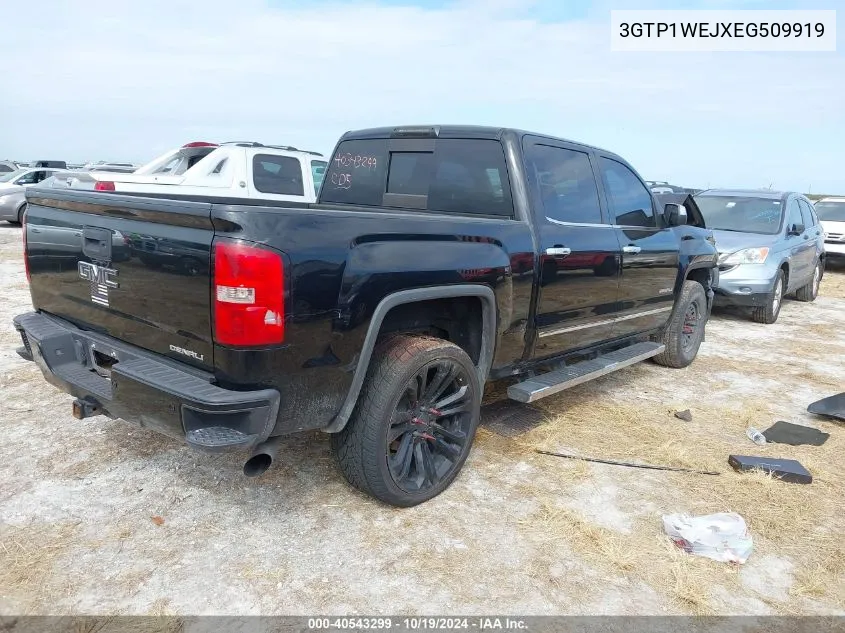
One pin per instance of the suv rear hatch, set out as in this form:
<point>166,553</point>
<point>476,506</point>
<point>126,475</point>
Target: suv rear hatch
<point>136,269</point>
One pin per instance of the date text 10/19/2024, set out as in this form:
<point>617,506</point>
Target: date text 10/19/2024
<point>418,624</point>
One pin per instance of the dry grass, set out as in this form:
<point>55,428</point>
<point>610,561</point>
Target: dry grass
<point>800,523</point>
<point>833,282</point>
<point>30,560</point>
<point>560,524</point>
<point>788,521</point>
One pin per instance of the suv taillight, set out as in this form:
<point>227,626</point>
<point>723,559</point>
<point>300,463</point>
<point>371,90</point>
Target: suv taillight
<point>103,185</point>
<point>25,256</point>
<point>248,295</point>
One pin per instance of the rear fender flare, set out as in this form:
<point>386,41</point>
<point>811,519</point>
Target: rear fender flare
<point>488,337</point>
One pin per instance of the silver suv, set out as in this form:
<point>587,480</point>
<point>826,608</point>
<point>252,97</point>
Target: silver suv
<point>770,245</point>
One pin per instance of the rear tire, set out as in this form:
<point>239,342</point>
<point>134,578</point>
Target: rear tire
<point>769,312</point>
<point>409,436</point>
<point>810,291</point>
<point>685,330</point>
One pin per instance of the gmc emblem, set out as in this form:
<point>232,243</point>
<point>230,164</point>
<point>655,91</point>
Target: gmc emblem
<point>101,279</point>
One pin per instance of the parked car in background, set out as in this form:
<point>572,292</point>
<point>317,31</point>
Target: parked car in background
<point>770,245</point>
<point>12,187</point>
<point>831,212</point>
<point>7,166</point>
<point>661,186</point>
<point>230,170</point>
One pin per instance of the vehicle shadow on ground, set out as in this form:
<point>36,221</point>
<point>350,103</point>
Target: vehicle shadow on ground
<point>731,313</point>
<point>303,468</point>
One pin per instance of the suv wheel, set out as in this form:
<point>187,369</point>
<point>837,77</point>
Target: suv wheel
<point>769,312</point>
<point>685,330</point>
<point>414,422</point>
<point>810,291</point>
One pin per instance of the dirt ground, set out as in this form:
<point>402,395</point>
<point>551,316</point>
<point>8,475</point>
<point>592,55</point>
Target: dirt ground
<point>100,517</point>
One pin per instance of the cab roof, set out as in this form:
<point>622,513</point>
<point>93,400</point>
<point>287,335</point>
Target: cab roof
<point>454,131</point>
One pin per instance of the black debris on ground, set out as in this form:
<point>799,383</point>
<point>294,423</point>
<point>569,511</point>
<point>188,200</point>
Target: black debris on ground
<point>831,407</point>
<point>788,470</point>
<point>794,434</point>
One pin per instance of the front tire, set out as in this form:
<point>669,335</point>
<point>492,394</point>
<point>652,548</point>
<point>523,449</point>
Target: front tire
<point>685,330</point>
<point>414,423</point>
<point>21,211</point>
<point>810,291</point>
<point>769,312</point>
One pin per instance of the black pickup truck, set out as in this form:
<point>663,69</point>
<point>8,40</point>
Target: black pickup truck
<point>436,259</point>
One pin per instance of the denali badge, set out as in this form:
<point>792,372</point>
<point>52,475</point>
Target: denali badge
<point>102,278</point>
<point>186,352</point>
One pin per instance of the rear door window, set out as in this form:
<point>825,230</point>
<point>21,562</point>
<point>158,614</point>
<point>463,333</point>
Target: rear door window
<point>455,176</point>
<point>566,183</point>
<point>806,213</point>
<point>281,175</point>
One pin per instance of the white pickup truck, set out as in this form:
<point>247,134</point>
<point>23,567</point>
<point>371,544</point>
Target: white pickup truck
<point>228,170</point>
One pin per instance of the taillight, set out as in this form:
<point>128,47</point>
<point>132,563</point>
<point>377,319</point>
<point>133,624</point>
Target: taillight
<point>103,185</point>
<point>25,256</point>
<point>199,144</point>
<point>249,300</point>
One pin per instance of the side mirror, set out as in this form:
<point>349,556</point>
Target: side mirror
<point>675,214</point>
<point>796,229</point>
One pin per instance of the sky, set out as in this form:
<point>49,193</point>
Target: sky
<point>127,81</point>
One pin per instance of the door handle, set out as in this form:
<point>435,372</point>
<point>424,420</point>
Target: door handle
<point>559,251</point>
<point>631,249</point>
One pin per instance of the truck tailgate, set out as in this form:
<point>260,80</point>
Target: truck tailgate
<point>131,268</point>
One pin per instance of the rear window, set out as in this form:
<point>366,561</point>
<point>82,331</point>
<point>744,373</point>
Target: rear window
<point>281,175</point>
<point>458,176</point>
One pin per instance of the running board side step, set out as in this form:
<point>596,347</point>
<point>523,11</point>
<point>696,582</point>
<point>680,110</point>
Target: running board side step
<point>556,381</point>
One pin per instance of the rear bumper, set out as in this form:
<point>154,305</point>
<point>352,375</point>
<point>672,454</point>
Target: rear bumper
<point>142,387</point>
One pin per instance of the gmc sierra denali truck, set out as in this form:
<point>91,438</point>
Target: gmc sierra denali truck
<point>435,259</point>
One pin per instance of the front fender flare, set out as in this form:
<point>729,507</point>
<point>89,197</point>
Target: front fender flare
<point>488,336</point>
<point>709,289</point>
